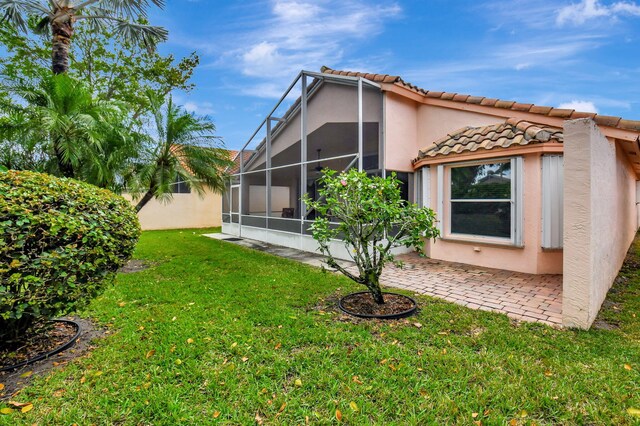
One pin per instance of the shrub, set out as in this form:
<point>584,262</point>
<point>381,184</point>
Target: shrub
<point>62,242</point>
<point>373,219</point>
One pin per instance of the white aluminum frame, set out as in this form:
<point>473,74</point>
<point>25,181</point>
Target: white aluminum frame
<point>300,105</point>
<point>516,201</point>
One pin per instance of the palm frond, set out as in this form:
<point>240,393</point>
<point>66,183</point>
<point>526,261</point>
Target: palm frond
<point>130,8</point>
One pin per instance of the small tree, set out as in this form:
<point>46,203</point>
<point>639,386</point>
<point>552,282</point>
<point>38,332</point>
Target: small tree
<point>373,219</point>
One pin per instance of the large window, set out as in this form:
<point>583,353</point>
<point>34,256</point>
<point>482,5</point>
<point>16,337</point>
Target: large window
<point>483,200</point>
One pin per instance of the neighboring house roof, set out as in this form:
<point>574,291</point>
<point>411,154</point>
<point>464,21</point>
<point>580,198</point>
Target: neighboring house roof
<point>235,157</point>
<point>568,114</point>
<point>503,135</point>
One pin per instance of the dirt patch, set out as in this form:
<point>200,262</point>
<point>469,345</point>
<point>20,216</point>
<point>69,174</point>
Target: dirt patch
<point>134,265</point>
<point>15,380</point>
<point>363,304</point>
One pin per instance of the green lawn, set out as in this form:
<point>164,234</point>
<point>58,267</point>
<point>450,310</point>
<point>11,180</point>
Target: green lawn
<point>218,334</point>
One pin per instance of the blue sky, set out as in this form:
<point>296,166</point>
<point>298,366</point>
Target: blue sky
<point>577,54</point>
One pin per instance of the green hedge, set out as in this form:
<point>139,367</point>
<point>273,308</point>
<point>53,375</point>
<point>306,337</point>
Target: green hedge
<point>61,243</point>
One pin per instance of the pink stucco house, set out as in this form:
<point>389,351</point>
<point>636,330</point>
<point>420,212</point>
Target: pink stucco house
<point>516,186</point>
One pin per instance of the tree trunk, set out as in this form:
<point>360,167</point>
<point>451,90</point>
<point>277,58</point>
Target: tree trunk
<point>144,200</point>
<point>62,31</point>
<point>373,284</point>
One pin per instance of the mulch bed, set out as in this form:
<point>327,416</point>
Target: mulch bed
<point>39,340</point>
<point>15,380</point>
<point>363,303</point>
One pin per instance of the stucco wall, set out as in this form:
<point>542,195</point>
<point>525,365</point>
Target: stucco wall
<point>600,219</point>
<point>183,211</point>
<point>411,126</point>
<point>401,132</point>
<point>529,258</point>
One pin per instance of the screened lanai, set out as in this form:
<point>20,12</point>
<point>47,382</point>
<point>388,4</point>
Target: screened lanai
<point>322,121</point>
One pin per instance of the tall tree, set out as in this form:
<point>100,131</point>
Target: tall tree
<point>183,147</point>
<point>60,16</point>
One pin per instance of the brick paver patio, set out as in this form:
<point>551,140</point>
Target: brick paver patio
<point>525,297</point>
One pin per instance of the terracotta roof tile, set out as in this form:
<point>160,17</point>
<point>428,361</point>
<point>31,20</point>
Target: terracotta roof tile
<point>475,100</point>
<point>513,132</point>
<point>629,125</point>
<point>632,125</point>
<point>544,110</point>
<point>460,98</point>
<point>504,104</point>
<point>559,112</point>
<point>488,101</point>
<point>521,107</point>
<point>606,120</point>
<point>578,114</point>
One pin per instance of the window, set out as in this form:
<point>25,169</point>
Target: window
<point>483,200</point>
<point>180,187</point>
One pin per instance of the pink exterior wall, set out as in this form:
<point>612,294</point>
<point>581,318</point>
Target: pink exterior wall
<point>410,126</point>
<point>183,211</point>
<point>600,219</point>
<point>401,132</point>
<point>435,122</point>
<point>529,258</point>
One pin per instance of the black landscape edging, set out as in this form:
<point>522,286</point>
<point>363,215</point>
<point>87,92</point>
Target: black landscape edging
<point>399,315</point>
<point>46,355</point>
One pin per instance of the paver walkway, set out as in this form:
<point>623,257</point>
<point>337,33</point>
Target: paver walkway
<point>521,296</point>
<point>525,297</point>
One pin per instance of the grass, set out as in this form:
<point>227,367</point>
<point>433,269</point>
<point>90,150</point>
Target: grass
<point>218,334</point>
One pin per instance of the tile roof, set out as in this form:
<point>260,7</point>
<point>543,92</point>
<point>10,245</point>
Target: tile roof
<point>513,132</point>
<point>569,114</point>
<point>235,157</point>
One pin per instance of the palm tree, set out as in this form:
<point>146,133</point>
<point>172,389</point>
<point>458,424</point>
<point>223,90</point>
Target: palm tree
<point>60,118</point>
<point>183,148</point>
<point>59,16</point>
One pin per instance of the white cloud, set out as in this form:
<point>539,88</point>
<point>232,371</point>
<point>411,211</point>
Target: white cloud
<point>578,105</point>
<point>301,34</point>
<point>586,10</point>
<point>199,108</point>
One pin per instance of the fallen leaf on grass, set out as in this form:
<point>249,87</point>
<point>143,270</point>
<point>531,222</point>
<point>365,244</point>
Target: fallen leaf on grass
<point>83,379</point>
<point>59,393</point>
<point>234,344</point>
<point>633,411</point>
<point>216,414</point>
<point>245,359</point>
<point>121,304</point>
<point>298,382</point>
<point>548,373</point>
<point>513,422</point>
<point>18,404</point>
<point>278,346</point>
<point>356,380</point>
<point>27,408</point>
<point>474,415</point>
<point>27,374</point>
<point>339,415</point>
<point>1,386</point>
<point>259,420</point>
<point>628,367</point>
<point>417,325</point>
<point>150,353</point>
<point>189,340</point>
<point>354,406</point>
<point>6,410</point>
